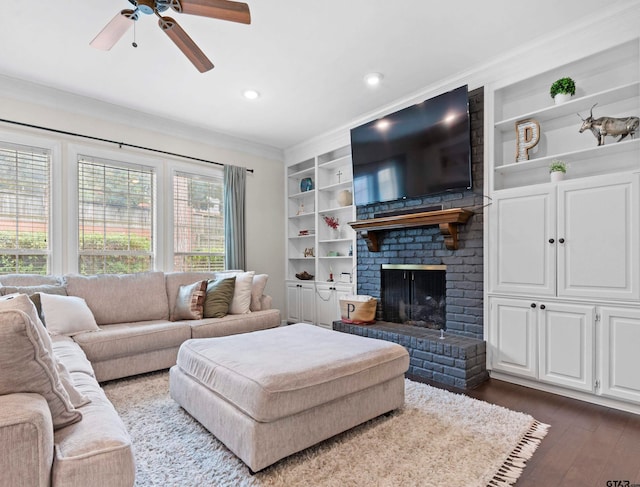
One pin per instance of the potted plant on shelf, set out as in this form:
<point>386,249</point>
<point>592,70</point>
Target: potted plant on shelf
<point>562,90</point>
<point>557,169</point>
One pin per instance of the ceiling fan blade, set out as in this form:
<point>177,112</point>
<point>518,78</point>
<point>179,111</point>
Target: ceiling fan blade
<point>181,39</point>
<point>217,9</point>
<point>114,30</point>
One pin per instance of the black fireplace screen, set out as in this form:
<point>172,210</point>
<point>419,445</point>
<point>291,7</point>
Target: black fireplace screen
<point>414,296</point>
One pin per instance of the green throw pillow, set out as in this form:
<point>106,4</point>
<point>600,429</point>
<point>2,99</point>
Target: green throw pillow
<point>218,298</point>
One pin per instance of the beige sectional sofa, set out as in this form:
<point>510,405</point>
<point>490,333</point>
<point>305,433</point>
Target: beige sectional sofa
<point>137,333</point>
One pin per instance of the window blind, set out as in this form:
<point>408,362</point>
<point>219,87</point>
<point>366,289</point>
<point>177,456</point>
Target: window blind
<point>116,208</point>
<point>25,188</point>
<point>198,222</point>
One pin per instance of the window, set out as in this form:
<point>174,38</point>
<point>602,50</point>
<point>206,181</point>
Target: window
<point>116,203</point>
<point>25,187</point>
<point>198,221</point>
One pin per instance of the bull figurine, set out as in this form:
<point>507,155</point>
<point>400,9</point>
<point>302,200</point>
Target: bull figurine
<point>603,126</point>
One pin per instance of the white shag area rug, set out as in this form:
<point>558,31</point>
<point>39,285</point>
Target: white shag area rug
<point>437,439</point>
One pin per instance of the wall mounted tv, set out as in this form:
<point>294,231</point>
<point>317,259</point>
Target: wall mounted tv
<point>421,150</point>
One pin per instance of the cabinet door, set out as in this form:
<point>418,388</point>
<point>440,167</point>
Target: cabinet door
<point>293,303</point>
<point>598,244</point>
<point>522,229</point>
<point>308,303</point>
<point>619,339</point>
<point>512,336</point>
<point>328,301</point>
<point>566,345</point>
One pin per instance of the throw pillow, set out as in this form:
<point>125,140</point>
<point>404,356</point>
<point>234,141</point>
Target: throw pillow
<point>257,290</point>
<point>219,297</point>
<point>190,301</point>
<point>241,302</point>
<point>67,315</point>
<point>27,362</point>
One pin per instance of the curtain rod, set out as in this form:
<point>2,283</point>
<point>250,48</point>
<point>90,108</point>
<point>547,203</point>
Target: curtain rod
<point>119,144</point>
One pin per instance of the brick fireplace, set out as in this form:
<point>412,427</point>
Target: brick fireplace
<point>457,355</point>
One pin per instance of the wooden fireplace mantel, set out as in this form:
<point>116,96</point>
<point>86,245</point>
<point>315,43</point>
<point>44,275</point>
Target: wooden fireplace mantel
<point>448,221</point>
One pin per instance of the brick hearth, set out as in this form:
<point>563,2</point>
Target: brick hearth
<point>456,360</point>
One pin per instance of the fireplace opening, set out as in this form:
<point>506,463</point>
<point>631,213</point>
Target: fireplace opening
<point>414,295</point>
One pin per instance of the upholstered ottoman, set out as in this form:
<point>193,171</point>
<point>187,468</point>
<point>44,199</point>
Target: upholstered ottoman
<point>271,393</point>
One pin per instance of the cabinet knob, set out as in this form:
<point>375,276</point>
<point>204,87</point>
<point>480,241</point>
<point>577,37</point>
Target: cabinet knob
<point>533,305</point>
<point>542,306</point>
<point>561,240</point>
<point>551,240</point>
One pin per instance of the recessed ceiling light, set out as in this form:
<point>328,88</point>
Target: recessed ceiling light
<point>251,94</point>
<point>373,79</point>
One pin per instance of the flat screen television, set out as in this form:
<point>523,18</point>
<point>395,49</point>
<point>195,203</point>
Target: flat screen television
<point>421,150</point>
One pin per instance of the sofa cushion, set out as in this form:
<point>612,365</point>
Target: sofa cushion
<point>22,302</point>
<point>218,298</point>
<point>67,315</point>
<point>30,280</point>
<point>69,352</point>
<point>122,298</point>
<point>234,324</point>
<point>176,279</point>
<point>97,450</point>
<point>28,365</point>
<point>126,339</point>
<point>190,301</point>
<point>257,290</point>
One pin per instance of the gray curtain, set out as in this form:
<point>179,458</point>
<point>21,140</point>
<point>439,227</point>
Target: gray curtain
<point>235,179</point>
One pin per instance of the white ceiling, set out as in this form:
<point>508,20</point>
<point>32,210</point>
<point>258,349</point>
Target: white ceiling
<point>307,58</point>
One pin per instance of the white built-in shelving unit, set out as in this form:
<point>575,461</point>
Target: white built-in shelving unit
<point>563,259</point>
<point>312,246</point>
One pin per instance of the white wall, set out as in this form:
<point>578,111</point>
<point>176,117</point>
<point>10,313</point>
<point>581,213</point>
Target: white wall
<point>37,105</point>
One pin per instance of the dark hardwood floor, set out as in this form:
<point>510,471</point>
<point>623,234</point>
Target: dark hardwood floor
<point>587,445</point>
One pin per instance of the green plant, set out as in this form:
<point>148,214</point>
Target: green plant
<point>557,166</point>
<point>563,85</point>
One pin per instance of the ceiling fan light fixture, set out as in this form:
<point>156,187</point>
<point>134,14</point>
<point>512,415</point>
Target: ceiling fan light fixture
<point>251,94</point>
<point>373,79</point>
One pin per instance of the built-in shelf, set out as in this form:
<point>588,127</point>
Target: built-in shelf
<point>447,220</point>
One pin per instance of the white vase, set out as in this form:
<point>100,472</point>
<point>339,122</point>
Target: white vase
<point>557,176</point>
<point>561,98</point>
<point>345,198</point>
<point>335,233</point>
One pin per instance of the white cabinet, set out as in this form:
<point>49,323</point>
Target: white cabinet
<point>619,342</point>
<point>548,341</point>
<point>318,189</point>
<point>575,239</point>
<point>301,302</point>
<point>328,302</point>
<point>523,261</point>
<point>513,336</point>
<point>560,254</point>
<point>566,338</point>
<point>598,237</point>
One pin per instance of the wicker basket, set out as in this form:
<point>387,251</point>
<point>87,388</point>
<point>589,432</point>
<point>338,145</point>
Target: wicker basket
<point>359,310</point>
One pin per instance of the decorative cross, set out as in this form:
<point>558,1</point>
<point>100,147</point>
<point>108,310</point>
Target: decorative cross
<point>339,173</point>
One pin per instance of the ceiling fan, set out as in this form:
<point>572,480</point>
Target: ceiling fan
<point>217,9</point>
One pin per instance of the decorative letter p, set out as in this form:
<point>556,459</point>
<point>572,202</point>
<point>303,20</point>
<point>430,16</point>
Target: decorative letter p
<point>350,307</point>
<point>527,136</point>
